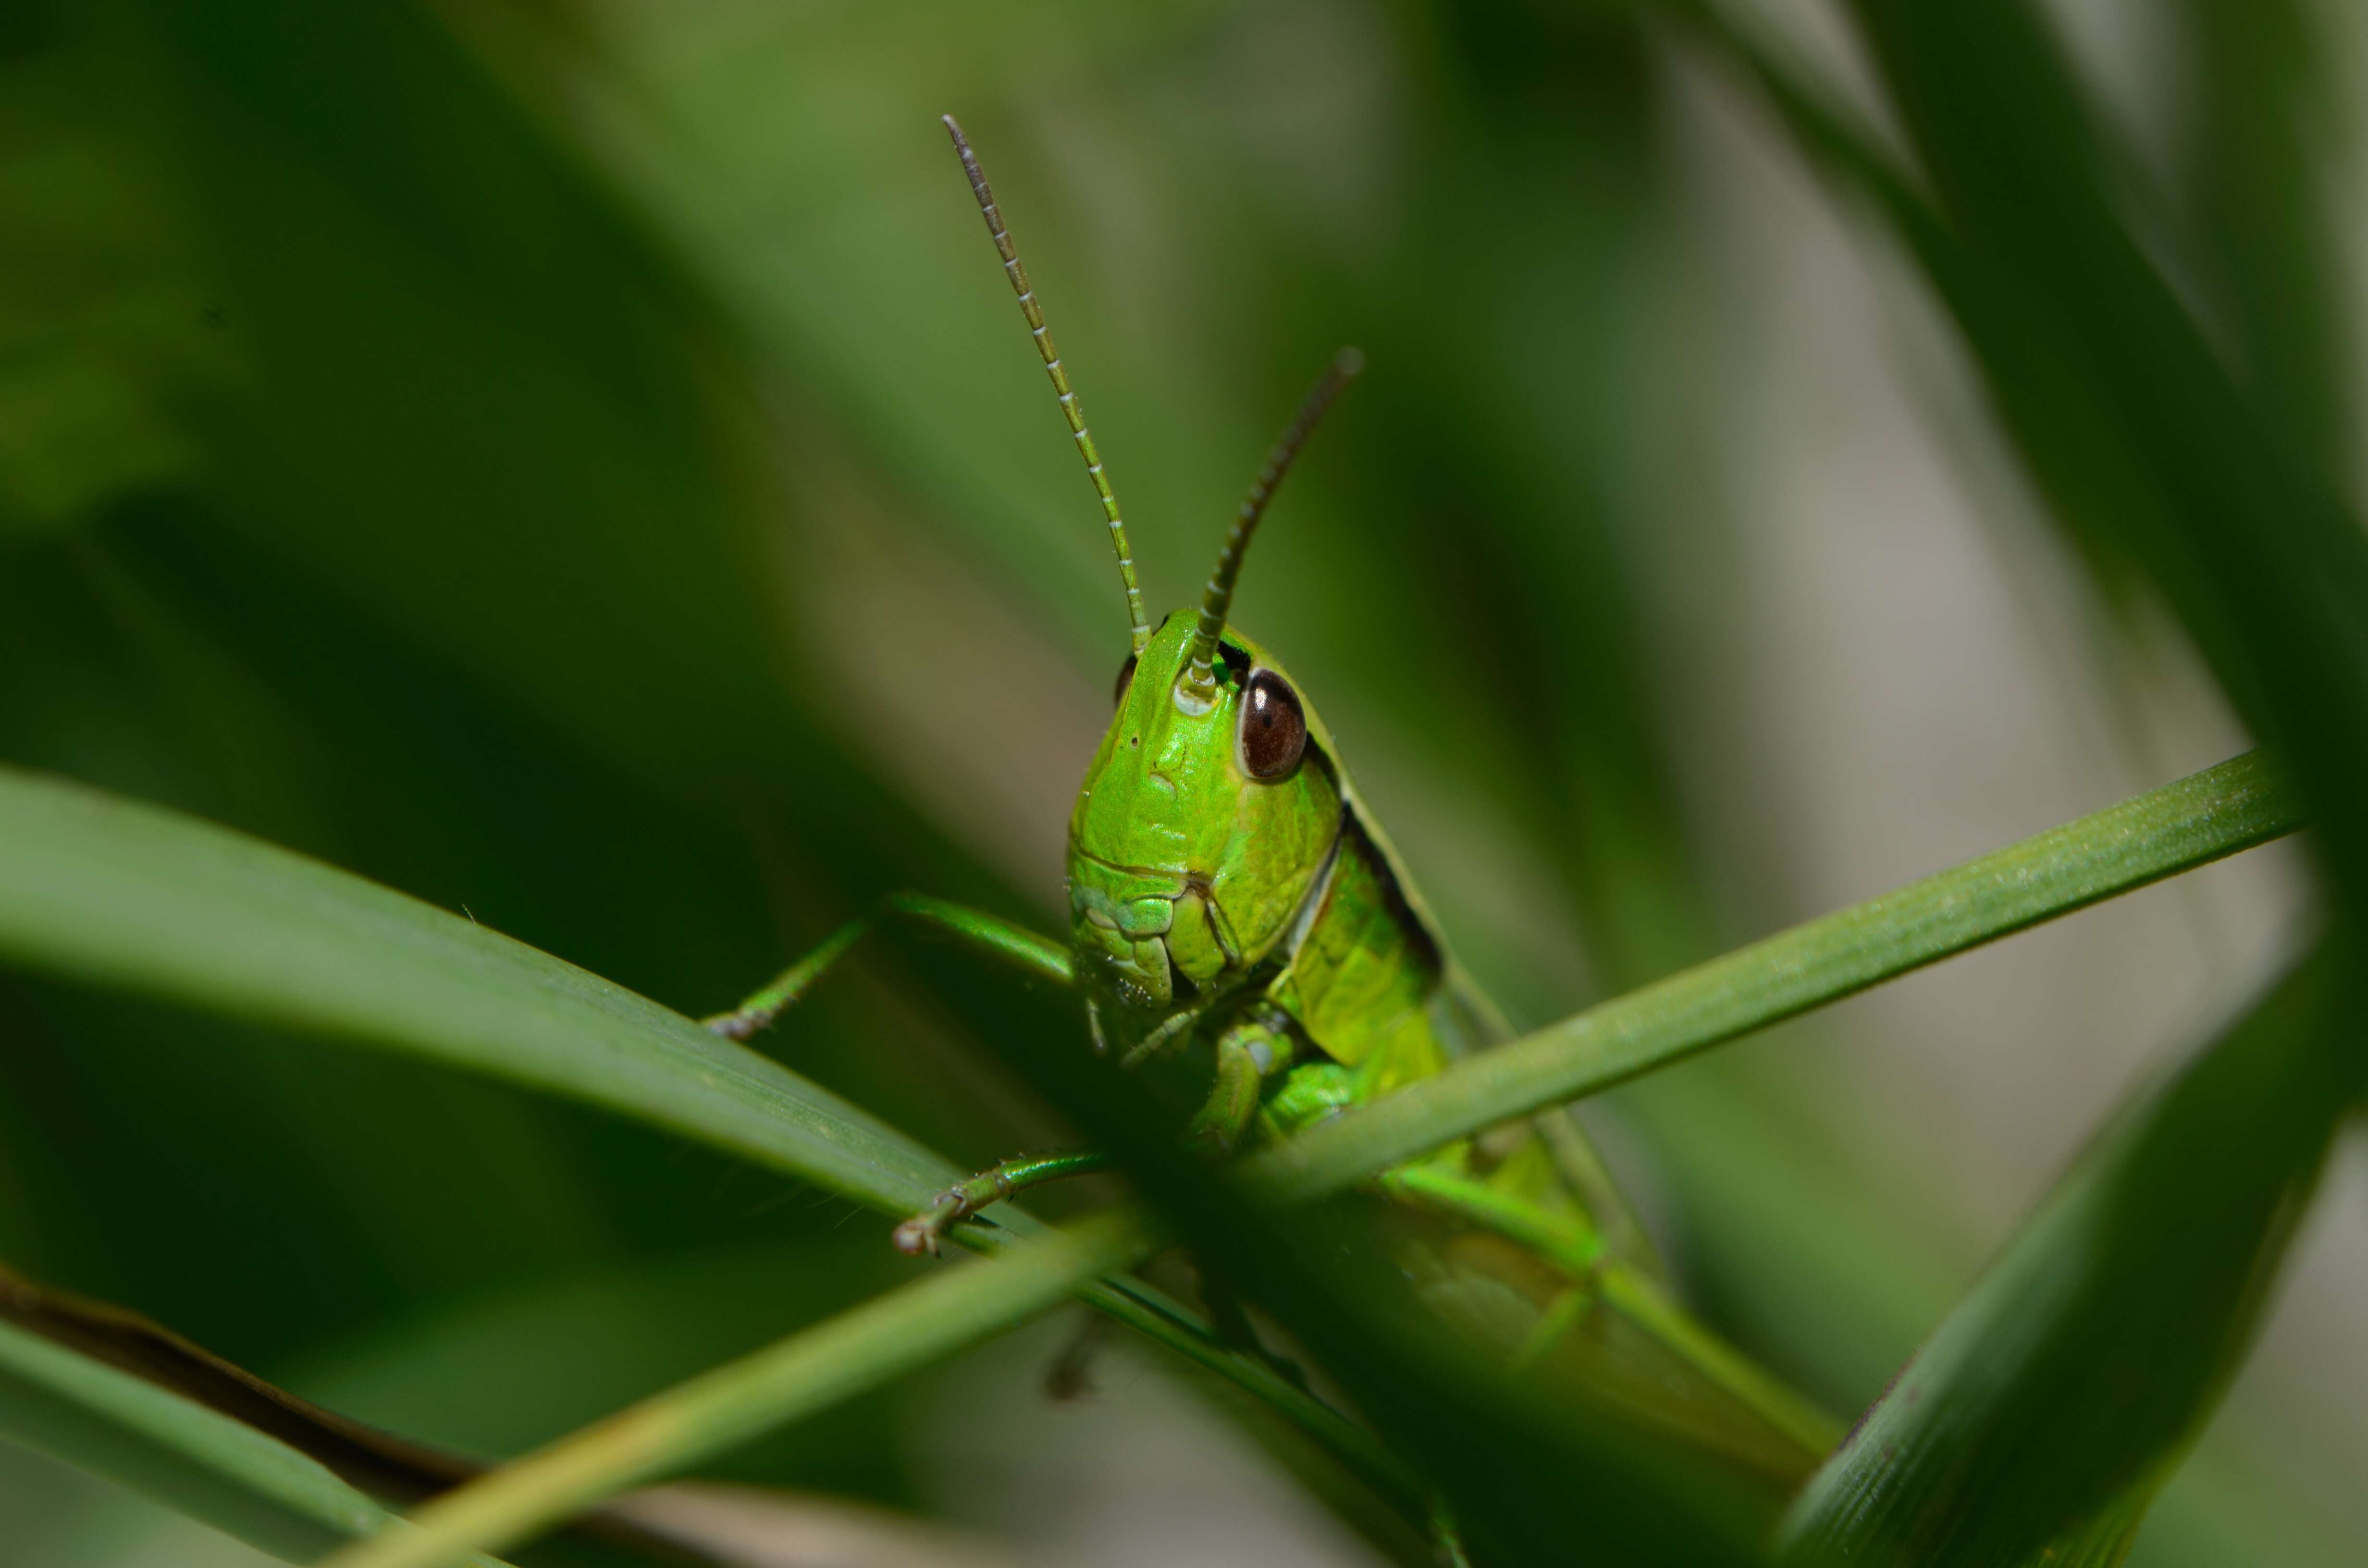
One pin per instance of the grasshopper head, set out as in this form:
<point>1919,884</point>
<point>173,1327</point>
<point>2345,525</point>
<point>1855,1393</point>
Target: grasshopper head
<point>1204,823</point>
<point>1206,816</point>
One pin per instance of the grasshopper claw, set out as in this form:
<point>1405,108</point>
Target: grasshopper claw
<point>921,1233</point>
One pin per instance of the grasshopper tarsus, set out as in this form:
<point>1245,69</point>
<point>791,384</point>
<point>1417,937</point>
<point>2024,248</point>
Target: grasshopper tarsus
<point>924,1231</point>
<point>918,1235</point>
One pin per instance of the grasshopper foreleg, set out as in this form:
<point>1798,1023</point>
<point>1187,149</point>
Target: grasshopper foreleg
<point>922,1232</point>
<point>1014,944</point>
<point>1249,1052</point>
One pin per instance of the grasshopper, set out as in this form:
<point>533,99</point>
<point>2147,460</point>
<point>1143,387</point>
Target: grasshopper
<point>1233,901</point>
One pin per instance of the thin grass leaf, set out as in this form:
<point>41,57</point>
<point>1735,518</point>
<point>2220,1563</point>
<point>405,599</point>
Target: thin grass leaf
<point>2266,98</point>
<point>2047,1405</point>
<point>185,1455</point>
<point>882,1339</point>
<point>2240,803</point>
<point>375,1462</point>
<point>124,895</point>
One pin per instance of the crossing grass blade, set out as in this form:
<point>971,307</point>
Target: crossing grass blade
<point>201,1462</point>
<point>885,1339</point>
<point>2240,804</point>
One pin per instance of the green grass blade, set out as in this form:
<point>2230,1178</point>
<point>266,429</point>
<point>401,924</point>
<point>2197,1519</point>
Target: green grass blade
<point>189,1458</point>
<point>884,1338</point>
<point>2240,803</point>
<point>125,895</point>
<point>2049,1402</point>
<point>2265,89</point>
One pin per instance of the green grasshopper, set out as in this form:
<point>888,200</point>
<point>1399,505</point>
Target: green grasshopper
<point>1233,901</point>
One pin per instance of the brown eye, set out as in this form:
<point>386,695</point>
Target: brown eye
<point>1274,726</point>
<point>1125,679</point>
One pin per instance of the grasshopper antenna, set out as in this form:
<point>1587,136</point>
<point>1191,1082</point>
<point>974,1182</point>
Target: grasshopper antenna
<point>1196,688</point>
<point>1138,626</point>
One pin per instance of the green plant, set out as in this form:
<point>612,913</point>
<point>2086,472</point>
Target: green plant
<point>571,395</point>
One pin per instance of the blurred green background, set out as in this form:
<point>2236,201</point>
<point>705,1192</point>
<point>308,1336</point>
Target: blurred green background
<point>579,463</point>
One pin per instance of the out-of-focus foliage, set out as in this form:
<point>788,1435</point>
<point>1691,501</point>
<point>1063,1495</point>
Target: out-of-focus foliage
<point>2155,452</point>
<point>579,465</point>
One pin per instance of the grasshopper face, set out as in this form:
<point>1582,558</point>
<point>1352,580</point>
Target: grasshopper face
<point>1206,816</point>
<point>1198,834</point>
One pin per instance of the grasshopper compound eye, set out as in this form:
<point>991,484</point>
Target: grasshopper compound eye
<point>1274,726</point>
<point>1125,679</point>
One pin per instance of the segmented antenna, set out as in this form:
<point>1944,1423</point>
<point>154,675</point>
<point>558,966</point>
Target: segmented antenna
<point>1139,628</point>
<point>1197,687</point>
